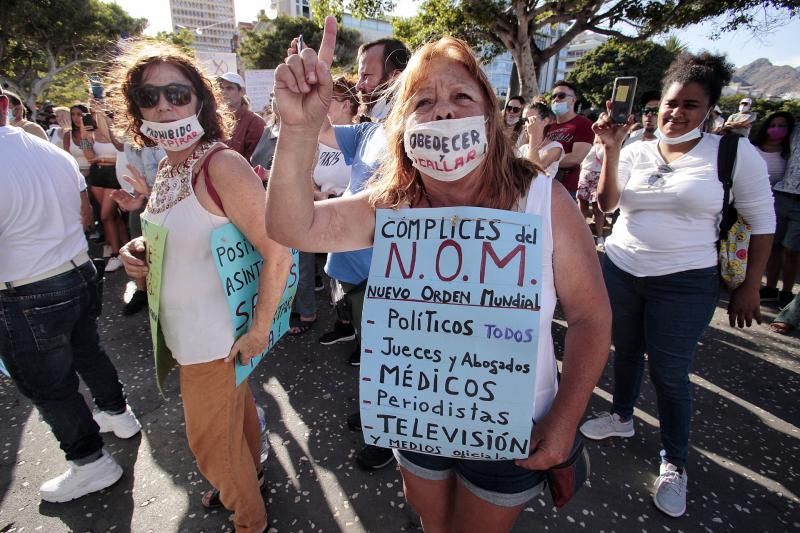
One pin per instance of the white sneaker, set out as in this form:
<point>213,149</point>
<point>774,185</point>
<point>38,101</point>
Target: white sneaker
<point>124,425</point>
<point>669,490</point>
<point>607,425</point>
<point>113,264</point>
<point>82,480</point>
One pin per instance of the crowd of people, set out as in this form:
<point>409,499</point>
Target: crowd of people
<point>170,147</point>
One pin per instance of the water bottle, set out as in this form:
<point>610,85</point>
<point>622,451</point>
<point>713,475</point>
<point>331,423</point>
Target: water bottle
<point>262,424</point>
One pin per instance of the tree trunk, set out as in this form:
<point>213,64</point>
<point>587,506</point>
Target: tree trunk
<point>526,68</point>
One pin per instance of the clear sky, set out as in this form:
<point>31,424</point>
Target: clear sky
<point>780,46</point>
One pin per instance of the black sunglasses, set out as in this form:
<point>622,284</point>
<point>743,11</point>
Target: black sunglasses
<point>649,111</point>
<point>561,96</point>
<point>176,94</point>
<point>513,108</point>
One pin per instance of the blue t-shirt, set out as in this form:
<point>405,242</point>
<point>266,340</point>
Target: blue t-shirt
<point>362,146</point>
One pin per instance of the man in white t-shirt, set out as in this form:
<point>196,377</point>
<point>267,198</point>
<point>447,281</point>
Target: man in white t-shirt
<point>50,301</point>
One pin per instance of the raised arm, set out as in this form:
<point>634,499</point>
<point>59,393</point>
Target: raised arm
<point>612,136</point>
<point>303,92</point>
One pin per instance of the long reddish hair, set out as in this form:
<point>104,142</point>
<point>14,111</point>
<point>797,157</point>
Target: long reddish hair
<point>398,183</point>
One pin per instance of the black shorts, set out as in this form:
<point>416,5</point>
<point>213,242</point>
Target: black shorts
<point>105,176</point>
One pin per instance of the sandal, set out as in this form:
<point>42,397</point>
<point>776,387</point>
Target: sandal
<point>300,326</point>
<point>780,327</point>
<point>210,499</point>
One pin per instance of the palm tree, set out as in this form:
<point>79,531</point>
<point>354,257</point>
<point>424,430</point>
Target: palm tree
<point>675,45</point>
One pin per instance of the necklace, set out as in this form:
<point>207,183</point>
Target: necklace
<point>173,182</point>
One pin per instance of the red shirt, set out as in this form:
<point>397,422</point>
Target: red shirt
<point>247,132</point>
<point>576,130</point>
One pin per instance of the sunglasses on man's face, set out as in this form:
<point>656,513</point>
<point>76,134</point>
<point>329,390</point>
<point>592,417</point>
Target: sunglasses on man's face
<point>513,109</point>
<point>176,94</point>
<point>561,96</point>
<point>649,111</point>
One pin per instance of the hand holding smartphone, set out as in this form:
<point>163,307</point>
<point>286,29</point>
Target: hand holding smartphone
<point>622,98</point>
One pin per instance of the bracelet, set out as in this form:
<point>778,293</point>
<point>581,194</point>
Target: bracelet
<point>84,144</point>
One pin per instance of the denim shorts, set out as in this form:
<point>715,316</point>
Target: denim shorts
<point>500,483</point>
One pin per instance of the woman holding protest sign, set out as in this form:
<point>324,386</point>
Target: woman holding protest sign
<point>201,185</point>
<point>444,92</point>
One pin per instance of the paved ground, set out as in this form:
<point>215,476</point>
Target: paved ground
<point>743,474</point>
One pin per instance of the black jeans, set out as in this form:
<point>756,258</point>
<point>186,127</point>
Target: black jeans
<point>48,335</point>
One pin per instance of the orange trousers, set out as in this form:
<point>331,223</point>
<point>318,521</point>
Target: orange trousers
<point>225,438</point>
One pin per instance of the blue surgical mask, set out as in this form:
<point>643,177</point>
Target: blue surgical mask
<point>560,108</point>
<point>10,115</point>
<point>696,133</point>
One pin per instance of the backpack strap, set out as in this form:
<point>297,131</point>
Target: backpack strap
<point>212,192</point>
<point>726,160</point>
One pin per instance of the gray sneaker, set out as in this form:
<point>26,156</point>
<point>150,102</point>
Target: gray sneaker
<point>607,425</point>
<point>669,490</point>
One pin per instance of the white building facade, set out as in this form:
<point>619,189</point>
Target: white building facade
<point>212,22</point>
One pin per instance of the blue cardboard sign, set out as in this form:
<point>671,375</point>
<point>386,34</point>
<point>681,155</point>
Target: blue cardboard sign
<point>239,266</point>
<point>450,332</point>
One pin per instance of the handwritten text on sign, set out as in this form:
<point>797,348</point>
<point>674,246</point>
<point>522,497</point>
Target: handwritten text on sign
<point>450,332</point>
<point>239,265</point>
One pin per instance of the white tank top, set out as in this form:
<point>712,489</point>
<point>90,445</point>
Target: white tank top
<point>538,202</point>
<point>194,312</point>
<point>77,153</point>
<point>104,150</point>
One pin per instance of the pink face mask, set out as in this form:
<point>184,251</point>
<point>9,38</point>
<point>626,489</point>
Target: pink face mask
<point>777,133</point>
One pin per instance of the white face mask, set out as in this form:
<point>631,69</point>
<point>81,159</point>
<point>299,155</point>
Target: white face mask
<point>696,133</point>
<point>447,150</point>
<point>174,136</point>
<point>744,108</point>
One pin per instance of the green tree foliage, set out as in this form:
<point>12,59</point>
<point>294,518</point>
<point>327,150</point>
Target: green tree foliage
<point>594,73</point>
<point>515,25</point>
<point>358,8</point>
<point>267,48</point>
<point>42,39</point>
<point>183,39</point>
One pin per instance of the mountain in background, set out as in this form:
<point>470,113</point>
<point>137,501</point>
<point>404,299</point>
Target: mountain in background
<point>774,80</point>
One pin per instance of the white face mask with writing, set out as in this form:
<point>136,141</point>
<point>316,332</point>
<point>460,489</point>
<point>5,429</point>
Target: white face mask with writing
<point>447,150</point>
<point>174,136</point>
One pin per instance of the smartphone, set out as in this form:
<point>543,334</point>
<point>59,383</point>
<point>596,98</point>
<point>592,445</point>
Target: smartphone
<point>300,43</point>
<point>622,98</point>
<point>88,121</point>
<point>96,87</point>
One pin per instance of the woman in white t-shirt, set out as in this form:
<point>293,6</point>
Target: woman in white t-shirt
<point>661,258</point>
<point>539,150</point>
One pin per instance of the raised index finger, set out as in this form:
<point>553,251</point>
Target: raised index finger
<point>328,44</point>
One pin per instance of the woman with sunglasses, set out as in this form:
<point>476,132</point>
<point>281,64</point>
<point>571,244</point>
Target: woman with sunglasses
<point>444,90</point>
<point>661,259</point>
<point>165,99</point>
<point>512,120</point>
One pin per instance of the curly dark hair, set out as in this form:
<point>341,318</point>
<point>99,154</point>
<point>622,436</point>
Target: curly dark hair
<point>761,135</point>
<point>128,72</point>
<point>710,71</point>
